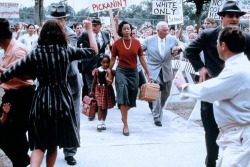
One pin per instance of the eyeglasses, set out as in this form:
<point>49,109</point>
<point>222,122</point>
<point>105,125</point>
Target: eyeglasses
<point>59,8</point>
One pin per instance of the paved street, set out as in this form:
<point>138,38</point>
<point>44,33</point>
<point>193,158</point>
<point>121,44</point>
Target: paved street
<point>173,145</point>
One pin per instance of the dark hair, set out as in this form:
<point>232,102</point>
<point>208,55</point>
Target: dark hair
<point>52,33</point>
<point>234,37</point>
<point>30,25</point>
<point>77,24</point>
<point>103,56</point>
<point>120,28</point>
<point>172,28</point>
<point>5,31</point>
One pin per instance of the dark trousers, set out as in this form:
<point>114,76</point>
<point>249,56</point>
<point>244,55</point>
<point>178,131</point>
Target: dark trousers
<point>211,133</point>
<point>87,66</point>
<point>142,81</point>
<point>13,140</point>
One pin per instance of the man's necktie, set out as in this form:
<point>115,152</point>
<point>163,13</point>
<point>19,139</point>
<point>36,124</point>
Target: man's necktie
<point>97,41</point>
<point>162,48</point>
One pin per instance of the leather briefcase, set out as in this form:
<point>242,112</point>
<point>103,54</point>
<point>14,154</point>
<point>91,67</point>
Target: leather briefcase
<point>89,106</point>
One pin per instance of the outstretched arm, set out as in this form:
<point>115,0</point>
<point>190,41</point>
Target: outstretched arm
<point>92,41</point>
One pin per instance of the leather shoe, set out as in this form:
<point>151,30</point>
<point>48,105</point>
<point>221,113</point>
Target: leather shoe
<point>158,123</point>
<point>125,133</point>
<point>91,118</point>
<point>70,160</point>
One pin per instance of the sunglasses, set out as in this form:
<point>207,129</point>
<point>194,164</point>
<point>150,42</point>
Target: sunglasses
<point>59,8</point>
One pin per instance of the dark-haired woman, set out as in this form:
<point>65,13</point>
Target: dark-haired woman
<point>52,117</point>
<point>127,49</point>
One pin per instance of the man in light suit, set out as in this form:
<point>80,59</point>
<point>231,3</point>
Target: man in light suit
<point>159,49</point>
<point>74,79</point>
<point>206,42</point>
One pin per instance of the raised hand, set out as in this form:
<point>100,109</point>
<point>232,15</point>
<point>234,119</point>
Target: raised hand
<point>6,108</point>
<point>87,25</point>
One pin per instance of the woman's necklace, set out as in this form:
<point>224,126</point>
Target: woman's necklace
<point>129,44</point>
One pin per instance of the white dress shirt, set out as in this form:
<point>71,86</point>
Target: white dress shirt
<point>99,38</point>
<point>29,41</point>
<point>229,92</point>
<point>159,44</point>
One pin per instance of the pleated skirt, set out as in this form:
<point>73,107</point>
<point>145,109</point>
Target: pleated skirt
<point>53,119</point>
<point>126,83</point>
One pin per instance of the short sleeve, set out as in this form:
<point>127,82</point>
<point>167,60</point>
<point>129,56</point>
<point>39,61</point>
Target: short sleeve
<point>140,51</point>
<point>114,51</point>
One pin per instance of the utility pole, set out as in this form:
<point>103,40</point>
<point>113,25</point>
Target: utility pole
<point>38,13</point>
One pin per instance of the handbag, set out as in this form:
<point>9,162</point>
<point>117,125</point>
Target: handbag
<point>149,91</point>
<point>89,106</point>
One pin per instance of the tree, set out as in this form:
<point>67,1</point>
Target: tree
<point>199,8</point>
<point>38,15</point>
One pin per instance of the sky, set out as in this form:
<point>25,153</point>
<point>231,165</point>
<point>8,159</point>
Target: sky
<point>76,4</point>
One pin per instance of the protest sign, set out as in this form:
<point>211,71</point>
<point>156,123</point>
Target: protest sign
<point>173,10</point>
<point>177,18</point>
<point>216,5</point>
<point>172,19</point>
<point>214,8</point>
<point>167,7</point>
<point>9,10</point>
<point>246,8</point>
<point>105,21</point>
<point>102,5</point>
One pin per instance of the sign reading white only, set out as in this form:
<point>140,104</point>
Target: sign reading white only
<point>173,10</point>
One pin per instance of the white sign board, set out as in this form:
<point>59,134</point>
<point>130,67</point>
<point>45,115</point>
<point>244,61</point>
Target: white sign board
<point>214,8</point>
<point>105,21</point>
<point>167,7</point>
<point>102,5</point>
<point>216,5</point>
<point>173,19</point>
<point>9,10</point>
<point>246,8</point>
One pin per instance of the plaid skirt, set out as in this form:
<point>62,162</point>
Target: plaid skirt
<point>105,96</point>
<point>126,83</point>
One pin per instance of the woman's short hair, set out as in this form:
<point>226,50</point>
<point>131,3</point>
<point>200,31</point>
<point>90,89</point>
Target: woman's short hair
<point>160,24</point>
<point>31,25</point>
<point>210,20</point>
<point>5,31</point>
<point>52,33</point>
<point>120,28</point>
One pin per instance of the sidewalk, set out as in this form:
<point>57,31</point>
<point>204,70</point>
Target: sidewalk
<point>172,145</point>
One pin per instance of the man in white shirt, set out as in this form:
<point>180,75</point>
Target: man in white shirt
<point>30,39</point>
<point>229,93</point>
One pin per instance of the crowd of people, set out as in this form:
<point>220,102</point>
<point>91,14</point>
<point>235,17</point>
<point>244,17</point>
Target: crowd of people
<point>68,64</point>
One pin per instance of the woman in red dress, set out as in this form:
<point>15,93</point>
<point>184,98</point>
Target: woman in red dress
<point>127,49</point>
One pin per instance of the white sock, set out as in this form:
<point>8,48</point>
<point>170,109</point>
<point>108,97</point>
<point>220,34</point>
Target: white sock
<point>103,122</point>
<point>99,122</point>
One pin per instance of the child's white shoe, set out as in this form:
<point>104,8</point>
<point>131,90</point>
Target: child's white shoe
<point>99,127</point>
<point>103,127</point>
